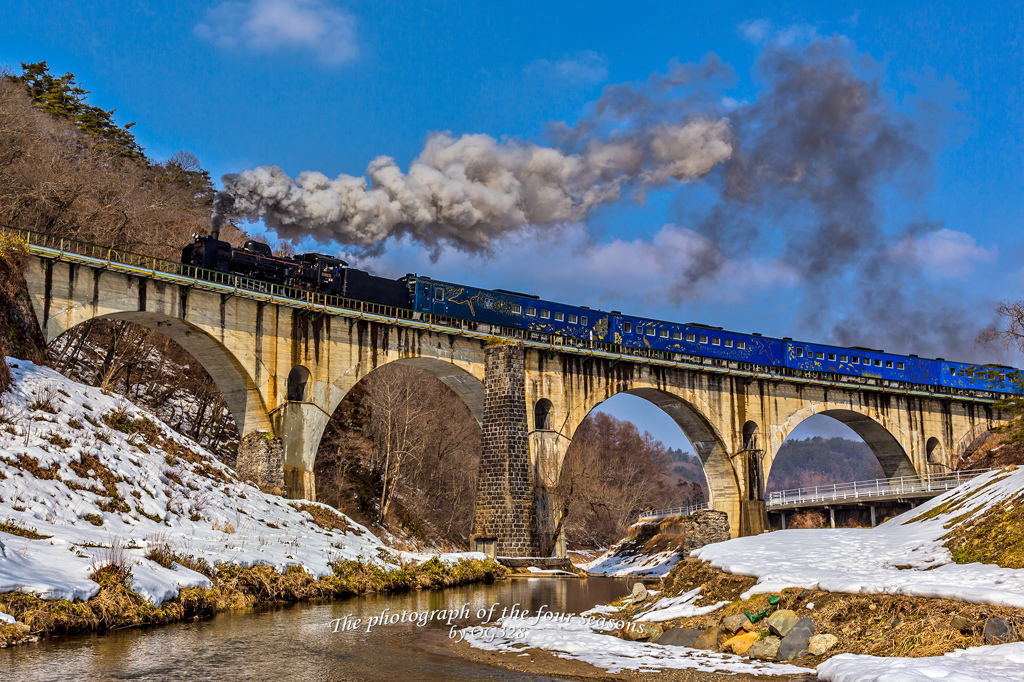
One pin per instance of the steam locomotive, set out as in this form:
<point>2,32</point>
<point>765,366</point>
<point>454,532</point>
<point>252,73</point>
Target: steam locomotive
<point>543,320</point>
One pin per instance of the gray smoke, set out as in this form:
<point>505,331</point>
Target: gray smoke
<point>469,191</point>
<point>797,173</point>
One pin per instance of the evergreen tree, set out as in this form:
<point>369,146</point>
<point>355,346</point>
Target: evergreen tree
<point>64,97</point>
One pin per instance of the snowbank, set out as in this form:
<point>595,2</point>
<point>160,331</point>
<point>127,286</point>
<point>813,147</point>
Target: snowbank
<point>575,640</point>
<point>903,556</point>
<point>977,664</point>
<point>91,489</point>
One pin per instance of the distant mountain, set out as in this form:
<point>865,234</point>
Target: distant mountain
<point>821,461</point>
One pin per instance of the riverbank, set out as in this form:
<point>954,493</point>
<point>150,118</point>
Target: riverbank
<point>110,520</point>
<point>909,599</point>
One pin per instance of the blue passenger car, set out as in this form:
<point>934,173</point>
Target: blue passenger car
<point>696,339</point>
<point>981,377</point>
<point>508,309</point>
<point>862,362</point>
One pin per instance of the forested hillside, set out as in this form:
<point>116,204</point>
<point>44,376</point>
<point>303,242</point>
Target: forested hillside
<point>822,461</point>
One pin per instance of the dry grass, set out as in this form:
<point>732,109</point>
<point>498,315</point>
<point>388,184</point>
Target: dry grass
<point>44,398</point>
<point>995,536</point>
<point>878,625</point>
<point>327,518</point>
<point>12,527</point>
<point>116,606</point>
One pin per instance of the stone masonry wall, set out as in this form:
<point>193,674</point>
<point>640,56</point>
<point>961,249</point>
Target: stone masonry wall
<point>505,497</point>
<point>261,460</point>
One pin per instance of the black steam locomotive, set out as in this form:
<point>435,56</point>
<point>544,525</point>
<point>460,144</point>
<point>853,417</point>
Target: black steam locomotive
<point>309,271</point>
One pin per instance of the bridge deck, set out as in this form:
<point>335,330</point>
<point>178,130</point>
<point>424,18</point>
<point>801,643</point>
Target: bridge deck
<point>99,257</point>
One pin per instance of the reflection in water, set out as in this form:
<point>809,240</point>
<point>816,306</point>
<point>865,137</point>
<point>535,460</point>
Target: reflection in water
<point>297,643</point>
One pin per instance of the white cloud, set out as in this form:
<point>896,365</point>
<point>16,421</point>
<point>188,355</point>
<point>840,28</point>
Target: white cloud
<point>583,68</point>
<point>638,275</point>
<point>756,31</point>
<point>944,252</point>
<point>269,26</point>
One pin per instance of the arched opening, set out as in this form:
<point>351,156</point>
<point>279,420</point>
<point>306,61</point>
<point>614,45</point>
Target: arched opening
<point>401,451</point>
<point>751,440</point>
<point>298,379</point>
<point>155,363</point>
<point>542,415</point>
<point>933,451</point>
<point>826,449</point>
<point>638,450</point>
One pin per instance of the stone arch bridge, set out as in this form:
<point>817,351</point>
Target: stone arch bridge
<point>284,361</point>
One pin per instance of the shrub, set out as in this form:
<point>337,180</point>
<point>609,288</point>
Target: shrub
<point>44,398</point>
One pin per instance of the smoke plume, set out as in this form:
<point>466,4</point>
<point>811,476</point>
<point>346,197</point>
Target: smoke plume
<point>469,191</point>
<point>796,177</point>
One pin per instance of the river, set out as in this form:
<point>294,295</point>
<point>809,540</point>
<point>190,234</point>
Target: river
<point>296,642</point>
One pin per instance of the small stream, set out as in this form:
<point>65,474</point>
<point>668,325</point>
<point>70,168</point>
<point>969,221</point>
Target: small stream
<point>296,642</point>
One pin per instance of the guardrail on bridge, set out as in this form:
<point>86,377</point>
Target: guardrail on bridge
<point>916,486</point>
<point>656,514</point>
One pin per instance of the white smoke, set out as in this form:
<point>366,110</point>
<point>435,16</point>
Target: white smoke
<point>469,191</point>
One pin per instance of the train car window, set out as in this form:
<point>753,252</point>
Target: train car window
<point>627,328</point>
<point>572,319</point>
<point>690,337</point>
<point>821,356</point>
<point>899,365</point>
<point>832,357</point>
<point>878,363</point>
<point>703,339</point>
<point>651,331</point>
<point>728,343</point>
<point>799,352</point>
<point>531,312</point>
<point>716,341</point>
<point>741,344</point>
<point>517,309</point>
<point>844,358</point>
<point>559,317</point>
<point>888,364</point>
<point>855,360</point>
<point>678,336</point>
<point>438,294</point>
<point>664,333</point>
<point>952,371</point>
<point>583,321</point>
<point>545,314</point>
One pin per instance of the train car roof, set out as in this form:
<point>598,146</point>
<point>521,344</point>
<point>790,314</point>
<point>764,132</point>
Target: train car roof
<point>514,293</point>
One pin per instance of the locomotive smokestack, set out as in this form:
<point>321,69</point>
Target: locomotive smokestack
<point>222,205</point>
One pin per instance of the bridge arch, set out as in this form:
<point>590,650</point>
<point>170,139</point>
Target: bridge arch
<point>890,445</point>
<point>236,385</point>
<point>694,416</point>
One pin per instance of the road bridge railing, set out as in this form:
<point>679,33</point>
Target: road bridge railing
<point>879,488</point>
<point>656,514</point>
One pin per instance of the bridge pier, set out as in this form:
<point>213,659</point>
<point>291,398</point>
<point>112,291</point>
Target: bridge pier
<point>504,523</point>
<point>299,426</point>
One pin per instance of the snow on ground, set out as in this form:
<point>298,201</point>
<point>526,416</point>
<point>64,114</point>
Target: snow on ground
<point>622,560</point>
<point>579,641</point>
<point>682,606</point>
<point>976,664</point>
<point>903,556</point>
<point>189,501</point>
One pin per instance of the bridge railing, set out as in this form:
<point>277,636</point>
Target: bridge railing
<point>674,511</point>
<point>226,283</point>
<point>878,488</point>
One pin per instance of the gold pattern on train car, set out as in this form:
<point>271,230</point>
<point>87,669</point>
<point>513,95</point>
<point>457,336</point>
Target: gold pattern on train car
<point>601,329</point>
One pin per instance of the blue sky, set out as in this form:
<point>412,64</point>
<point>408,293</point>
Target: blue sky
<point>329,86</point>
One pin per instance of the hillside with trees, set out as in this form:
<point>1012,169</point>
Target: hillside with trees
<point>821,461</point>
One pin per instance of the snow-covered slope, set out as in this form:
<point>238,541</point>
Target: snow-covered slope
<point>66,474</point>
<point>903,556</point>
